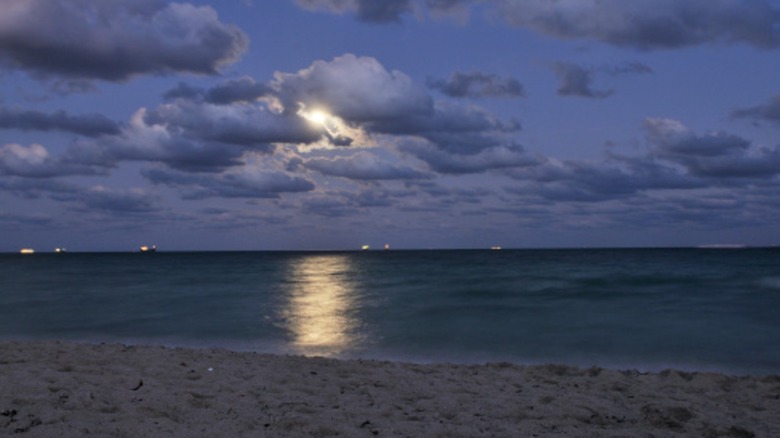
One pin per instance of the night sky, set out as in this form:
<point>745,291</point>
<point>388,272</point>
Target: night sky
<point>330,124</point>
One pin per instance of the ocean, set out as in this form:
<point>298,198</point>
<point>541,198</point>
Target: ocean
<point>646,309</point>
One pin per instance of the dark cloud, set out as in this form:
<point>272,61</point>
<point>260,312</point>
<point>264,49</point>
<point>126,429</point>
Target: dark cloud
<point>244,89</point>
<point>382,11</point>
<point>769,111</point>
<point>35,188</point>
<point>20,220</point>
<point>577,81</point>
<point>677,160</point>
<point>453,128</point>
<point>115,40</point>
<point>183,90</point>
<point>644,25</point>
<point>477,84</point>
<point>711,155</point>
<point>592,181</point>
<point>119,200</point>
<point>446,5</point>
<point>90,125</point>
<point>663,24</point>
<point>374,11</point>
<point>242,182</point>
<point>495,157</point>
<point>362,165</point>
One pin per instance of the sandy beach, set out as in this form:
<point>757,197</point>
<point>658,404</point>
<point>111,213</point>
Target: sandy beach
<point>68,390</point>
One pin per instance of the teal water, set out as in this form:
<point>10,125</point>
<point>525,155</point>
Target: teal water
<point>704,309</point>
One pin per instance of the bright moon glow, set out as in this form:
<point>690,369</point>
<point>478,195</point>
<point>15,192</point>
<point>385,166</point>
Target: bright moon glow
<point>315,116</point>
<point>334,126</point>
<point>318,117</point>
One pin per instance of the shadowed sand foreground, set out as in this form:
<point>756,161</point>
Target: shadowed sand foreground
<point>65,389</point>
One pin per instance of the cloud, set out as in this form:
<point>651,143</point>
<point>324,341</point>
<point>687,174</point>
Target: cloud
<point>242,182</point>
<point>241,124</point>
<point>142,140</point>
<point>119,200</point>
<point>495,157</point>
<point>453,128</point>
<point>362,165</point>
<point>577,81</point>
<point>244,89</point>
<point>446,5</point>
<point>382,11</point>
<point>711,155</point>
<point>375,11</point>
<point>477,84</point>
<point>769,111</point>
<point>649,24</point>
<point>641,24</point>
<point>18,160</point>
<point>34,161</point>
<point>615,177</point>
<point>20,220</point>
<point>357,89</point>
<point>91,125</point>
<point>115,40</point>
<point>194,136</point>
<point>183,90</point>
<point>371,100</point>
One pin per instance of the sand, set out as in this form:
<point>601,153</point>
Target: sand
<point>58,389</point>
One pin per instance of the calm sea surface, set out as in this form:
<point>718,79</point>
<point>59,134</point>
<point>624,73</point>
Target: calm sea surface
<point>706,309</point>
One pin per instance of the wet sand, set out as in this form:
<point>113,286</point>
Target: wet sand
<point>72,390</point>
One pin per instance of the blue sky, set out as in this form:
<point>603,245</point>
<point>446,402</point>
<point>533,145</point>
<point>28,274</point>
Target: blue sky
<point>329,124</point>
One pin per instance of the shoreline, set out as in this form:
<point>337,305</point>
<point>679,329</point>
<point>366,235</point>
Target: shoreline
<point>72,389</point>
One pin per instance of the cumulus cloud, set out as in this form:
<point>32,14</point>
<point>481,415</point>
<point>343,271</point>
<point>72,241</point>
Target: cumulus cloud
<point>615,177</point>
<point>362,165</point>
<point>649,24</point>
<point>115,40</point>
<point>713,154</point>
<point>453,128</point>
<point>495,157</point>
<point>194,136</point>
<point>371,100</point>
<point>35,161</point>
<point>90,125</point>
<point>151,142</point>
<point>357,89</point>
<point>769,111</point>
<point>477,84</point>
<point>241,182</point>
<point>241,124</point>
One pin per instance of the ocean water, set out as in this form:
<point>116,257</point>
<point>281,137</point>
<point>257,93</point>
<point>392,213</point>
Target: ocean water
<point>650,309</point>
